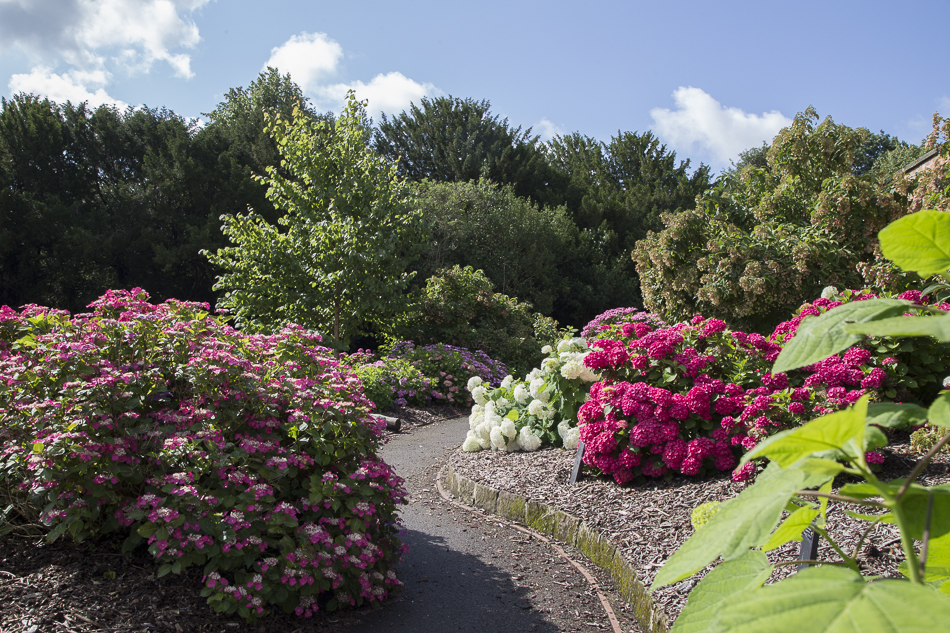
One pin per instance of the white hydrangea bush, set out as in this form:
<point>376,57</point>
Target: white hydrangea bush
<point>539,410</point>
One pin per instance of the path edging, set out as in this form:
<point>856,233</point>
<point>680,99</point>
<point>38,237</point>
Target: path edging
<point>568,529</point>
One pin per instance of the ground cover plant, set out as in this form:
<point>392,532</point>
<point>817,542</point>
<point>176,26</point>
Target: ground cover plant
<point>253,456</point>
<point>832,594</point>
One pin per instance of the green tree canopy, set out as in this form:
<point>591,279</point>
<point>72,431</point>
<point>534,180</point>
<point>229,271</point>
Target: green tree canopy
<point>448,139</point>
<point>337,259</point>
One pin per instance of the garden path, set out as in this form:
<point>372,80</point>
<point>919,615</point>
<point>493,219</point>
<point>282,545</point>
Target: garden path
<point>467,571</point>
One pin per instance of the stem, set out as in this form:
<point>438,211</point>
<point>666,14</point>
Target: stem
<point>846,560</point>
<point>926,535</point>
<point>921,465</point>
<point>842,498</point>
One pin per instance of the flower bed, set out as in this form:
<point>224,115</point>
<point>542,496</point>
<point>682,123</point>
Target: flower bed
<point>253,456</point>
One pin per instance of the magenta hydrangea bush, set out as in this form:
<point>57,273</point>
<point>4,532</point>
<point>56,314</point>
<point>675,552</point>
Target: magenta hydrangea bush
<point>252,456</point>
<point>693,397</point>
<point>610,321</point>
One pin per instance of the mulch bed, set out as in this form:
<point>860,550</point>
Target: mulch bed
<point>648,522</point>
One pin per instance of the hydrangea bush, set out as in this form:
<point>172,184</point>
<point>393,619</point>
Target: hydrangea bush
<point>539,410</point>
<point>389,381</point>
<point>448,369</point>
<point>252,456</point>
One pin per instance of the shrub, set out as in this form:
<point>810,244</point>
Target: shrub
<point>539,410</point>
<point>608,323</point>
<point>448,368</point>
<point>253,456</point>
<point>389,381</point>
<point>459,308</point>
<point>925,438</point>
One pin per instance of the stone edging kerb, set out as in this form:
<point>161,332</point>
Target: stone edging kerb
<point>567,529</point>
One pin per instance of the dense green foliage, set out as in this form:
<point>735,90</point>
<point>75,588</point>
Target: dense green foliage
<point>766,239</point>
<point>458,307</point>
<point>338,258</point>
<point>251,456</point>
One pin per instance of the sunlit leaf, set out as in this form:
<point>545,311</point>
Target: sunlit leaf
<point>728,579</point>
<point>821,336</point>
<point>830,431</point>
<point>918,242</point>
<point>939,412</point>
<point>935,326</point>
<point>896,416</point>
<point>836,600</point>
<point>791,528</point>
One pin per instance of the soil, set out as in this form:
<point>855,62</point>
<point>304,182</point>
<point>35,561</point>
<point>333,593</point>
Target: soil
<point>81,588</point>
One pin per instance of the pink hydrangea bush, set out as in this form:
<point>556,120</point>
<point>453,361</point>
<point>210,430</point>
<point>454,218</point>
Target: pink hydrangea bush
<point>252,456</point>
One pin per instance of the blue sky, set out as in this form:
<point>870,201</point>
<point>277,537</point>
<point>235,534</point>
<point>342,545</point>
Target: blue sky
<point>709,78</point>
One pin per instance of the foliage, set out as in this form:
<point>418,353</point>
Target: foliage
<point>539,410</point>
<point>448,368</point>
<point>521,247</point>
<point>764,240</point>
<point>253,456</point>
<point>731,598</point>
<point>388,381</point>
<point>702,513</point>
<point>932,189</point>
<point>339,257</point>
<point>447,139</point>
<point>458,307</point>
<point>925,438</point>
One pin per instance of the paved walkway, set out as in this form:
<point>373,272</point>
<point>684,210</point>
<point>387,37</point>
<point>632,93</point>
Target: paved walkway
<point>468,572</point>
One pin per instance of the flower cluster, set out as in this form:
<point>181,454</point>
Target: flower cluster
<point>541,409</point>
<point>389,381</point>
<point>612,320</point>
<point>252,456</point>
<point>448,369</point>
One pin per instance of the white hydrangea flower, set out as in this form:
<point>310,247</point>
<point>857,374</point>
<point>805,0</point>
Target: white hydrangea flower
<point>498,440</point>
<point>508,428</point>
<point>544,396</point>
<point>483,435</point>
<point>589,375</point>
<point>571,437</point>
<point>547,349</point>
<point>562,427</point>
<point>513,445</point>
<point>563,345</point>
<point>490,408</point>
<point>578,344</point>
<point>572,370</point>
<point>507,381</point>
<point>829,292</point>
<point>528,440</point>
<point>480,395</point>
<point>547,412</point>
<point>471,444</point>
<point>475,419</point>
<point>521,395</point>
<point>473,382</point>
<point>549,366</point>
<point>536,407</point>
<point>535,386</point>
<point>534,373</point>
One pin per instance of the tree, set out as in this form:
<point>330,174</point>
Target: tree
<point>448,139</point>
<point>338,258</point>
<point>767,239</point>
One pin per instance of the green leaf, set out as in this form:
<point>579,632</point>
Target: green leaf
<point>935,326</point>
<point>742,522</point>
<point>830,431</point>
<point>896,416</point>
<point>939,412</point>
<point>147,530</point>
<point>914,504</point>
<point>791,529</point>
<point>728,579</point>
<point>821,466</point>
<point>836,600</point>
<point>938,560</point>
<point>163,570</point>
<point>38,447</point>
<point>887,517</point>
<point>821,336</point>
<point>918,242</point>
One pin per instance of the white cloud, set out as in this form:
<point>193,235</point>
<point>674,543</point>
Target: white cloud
<point>700,122</point>
<point>70,86</point>
<point>547,130</point>
<point>390,93</point>
<point>308,57</point>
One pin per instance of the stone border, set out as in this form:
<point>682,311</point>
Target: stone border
<point>568,529</point>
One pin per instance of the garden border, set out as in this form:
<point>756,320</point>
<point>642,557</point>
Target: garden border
<point>567,529</point>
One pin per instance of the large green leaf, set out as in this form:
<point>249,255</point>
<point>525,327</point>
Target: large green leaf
<point>791,528</point>
<point>742,522</point>
<point>914,504</point>
<point>919,242</point>
<point>935,326</point>
<point>821,336</point>
<point>830,431</point>
<point>836,600</point>
<point>939,413</point>
<point>938,560</point>
<point>728,579</point>
<point>896,416</point>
